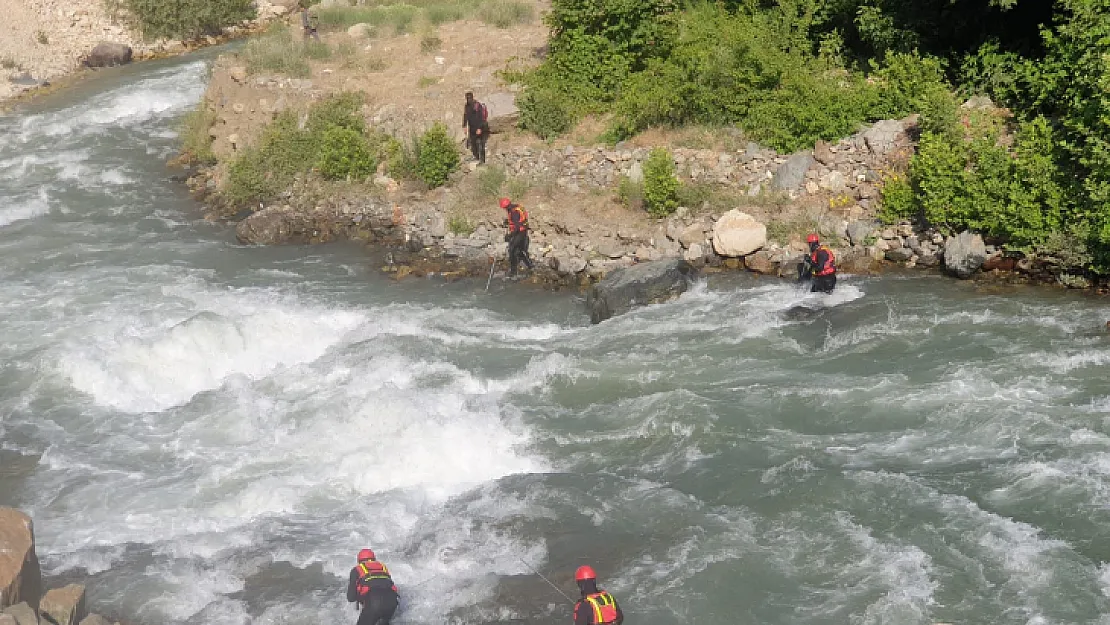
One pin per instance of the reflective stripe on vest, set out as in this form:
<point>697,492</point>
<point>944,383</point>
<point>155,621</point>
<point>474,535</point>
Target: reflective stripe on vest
<point>605,607</point>
<point>369,573</point>
<point>521,225</point>
<point>830,267</point>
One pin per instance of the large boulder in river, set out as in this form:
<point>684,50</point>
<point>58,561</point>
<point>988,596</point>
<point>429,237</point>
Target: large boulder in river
<point>638,285</point>
<point>964,254</point>
<point>64,606</point>
<point>20,576</point>
<point>107,54</point>
<point>738,234</point>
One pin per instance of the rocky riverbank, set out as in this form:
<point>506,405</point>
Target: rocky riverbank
<point>51,42</point>
<point>25,598</point>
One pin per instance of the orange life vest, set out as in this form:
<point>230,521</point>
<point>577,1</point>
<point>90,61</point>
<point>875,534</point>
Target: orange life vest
<point>829,268</point>
<point>521,224</point>
<point>604,607</point>
<point>372,575</point>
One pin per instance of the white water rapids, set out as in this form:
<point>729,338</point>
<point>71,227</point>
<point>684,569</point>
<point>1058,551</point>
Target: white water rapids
<point>207,433</point>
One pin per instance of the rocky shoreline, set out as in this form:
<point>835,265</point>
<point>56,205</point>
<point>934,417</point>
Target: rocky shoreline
<point>22,597</point>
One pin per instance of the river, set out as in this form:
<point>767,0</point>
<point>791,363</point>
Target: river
<point>207,433</point>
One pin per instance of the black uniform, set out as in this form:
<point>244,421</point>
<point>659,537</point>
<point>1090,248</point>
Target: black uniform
<point>821,257</point>
<point>584,612</point>
<point>518,239</point>
<point>378,609</point>
<point>475,121</point>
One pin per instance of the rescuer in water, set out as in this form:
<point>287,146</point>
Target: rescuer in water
<point>596,606</point>
<point>819,265</point>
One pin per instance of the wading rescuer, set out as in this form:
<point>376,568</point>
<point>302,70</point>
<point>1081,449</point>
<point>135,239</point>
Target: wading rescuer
<point>820,265</point>
<point>596,606</point>
<point>372,589</point>
<point>517,237</point>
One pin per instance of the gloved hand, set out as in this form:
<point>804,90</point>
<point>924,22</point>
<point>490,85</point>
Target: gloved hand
<point>508,236</point>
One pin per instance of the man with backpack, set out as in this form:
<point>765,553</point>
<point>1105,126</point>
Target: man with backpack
<point>475,117</point>
<point>371,589</point>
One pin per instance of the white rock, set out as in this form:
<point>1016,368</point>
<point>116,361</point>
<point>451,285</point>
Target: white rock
<point>738,234</point>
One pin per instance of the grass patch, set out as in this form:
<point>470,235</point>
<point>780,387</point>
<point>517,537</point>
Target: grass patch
<point>490,181</point>
<point>182,19</point>
<point>8,62</point>
<point>399,17</point>
<point>196,142</point>
<point>277,52</point>
<point>443,13</point>
<point>518,186</point>
<point>506,13</point>
<point>41,37</point>
<point>460,225</point>
<point>427,81</point>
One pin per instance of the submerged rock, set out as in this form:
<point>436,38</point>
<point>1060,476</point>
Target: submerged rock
<point>639,285</point>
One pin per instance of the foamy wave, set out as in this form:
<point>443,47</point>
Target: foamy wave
<point>26,209</point>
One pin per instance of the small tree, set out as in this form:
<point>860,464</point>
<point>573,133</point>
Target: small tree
<point>660,184</point>
<point>436,156</point>
<point>344,153</point>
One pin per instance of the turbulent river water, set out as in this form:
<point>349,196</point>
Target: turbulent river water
<point>207,433</point>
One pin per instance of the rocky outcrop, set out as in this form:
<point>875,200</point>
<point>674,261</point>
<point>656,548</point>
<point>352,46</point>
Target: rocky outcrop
<point>19,566</point>
<point>964,254</point>
<point>107,54</point>
<point>738,234</point>
<point>639,285</point>
<point>64,606</point>
<point>503,112</point>
<point>791,174</point>
<point>276,225</point>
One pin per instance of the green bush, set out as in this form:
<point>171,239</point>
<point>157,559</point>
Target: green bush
<point>638,29</point>
<point>660,184</point>
<point>186,19</point>
<point>341,109</point>
<point>544,113</point>
<point>344,154</point>
<point>436,158</point>
<point>898,200</point>
<point>196,142</point>
<point>460,226</point>
<point>401,158</point>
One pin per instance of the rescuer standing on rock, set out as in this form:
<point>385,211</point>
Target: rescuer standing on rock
<point>517,237</point>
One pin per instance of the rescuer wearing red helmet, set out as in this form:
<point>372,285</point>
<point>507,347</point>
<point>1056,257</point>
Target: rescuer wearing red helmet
<point>596,606</point>
<point>372,589</point>
<point>820,265</point>
<point>517,237</point>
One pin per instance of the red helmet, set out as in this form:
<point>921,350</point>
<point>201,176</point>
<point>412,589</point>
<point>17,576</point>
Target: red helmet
<point>583,573</point>
<point>505,202</point>
<point>812,239</point>
<point>365,554</point>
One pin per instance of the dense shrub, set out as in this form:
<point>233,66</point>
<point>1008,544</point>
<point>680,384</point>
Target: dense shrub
<point>437,157</point>
<point>185,19</point>
<point>344,153</point>
<point>543,112</point>
<point>196,142</point>
<point>660,184</point>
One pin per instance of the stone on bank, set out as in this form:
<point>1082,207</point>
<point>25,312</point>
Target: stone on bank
<point>20,577</point>
<point>639,285</point>
<point>738,234</point>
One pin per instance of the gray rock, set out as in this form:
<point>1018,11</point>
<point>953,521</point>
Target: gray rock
<point>928,260</point>
<point>859,231</point>
<point>636,172</point>
<point>964,254</point>
<point>503,112</point>
<point>899,254</point>
<point>884,136</point>
<point>692,235</point>
<point>568,263</point>
<point>695,254</point>
<point>822,151</point>
<point>95,619</point>
<point>23,614</point>
<point>639,285</point>
<point>791,174</point>
<point>7,619</point>
<point>107,54</point>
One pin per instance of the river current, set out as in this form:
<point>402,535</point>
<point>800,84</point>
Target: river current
<point>206,432</point>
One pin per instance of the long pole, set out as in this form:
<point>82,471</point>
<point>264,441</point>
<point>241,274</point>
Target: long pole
<point>492,264</point>
<point>531,568</point>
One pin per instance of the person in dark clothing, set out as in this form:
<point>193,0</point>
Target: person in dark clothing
<point>517,236</point>
<point>474,118</point>
<point>306,23</point>
<point>596,606</point>
<point>371,589</point>
<point>819,265</point>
